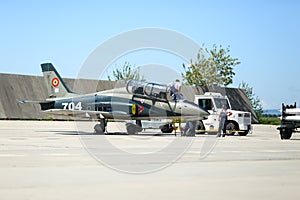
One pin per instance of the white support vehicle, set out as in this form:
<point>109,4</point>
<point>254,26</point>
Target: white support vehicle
<point>238,121</point>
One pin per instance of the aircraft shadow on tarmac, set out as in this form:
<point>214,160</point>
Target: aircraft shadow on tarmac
<point>82,133</point>
<point>295,139</point>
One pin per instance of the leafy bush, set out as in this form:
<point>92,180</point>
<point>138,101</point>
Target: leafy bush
<point>269,120</point>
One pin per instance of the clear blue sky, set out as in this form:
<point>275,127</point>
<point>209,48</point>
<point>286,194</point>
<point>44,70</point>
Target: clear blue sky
<point>264,35</point>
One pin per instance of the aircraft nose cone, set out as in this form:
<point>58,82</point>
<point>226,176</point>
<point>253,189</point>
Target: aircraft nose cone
<point>193,111</point>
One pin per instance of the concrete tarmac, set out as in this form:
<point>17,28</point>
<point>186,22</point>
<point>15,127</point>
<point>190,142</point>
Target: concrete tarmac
<point>52,160</point>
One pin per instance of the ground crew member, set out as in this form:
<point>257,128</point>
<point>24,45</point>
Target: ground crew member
<point>175,89</point>
<point>223,119</point>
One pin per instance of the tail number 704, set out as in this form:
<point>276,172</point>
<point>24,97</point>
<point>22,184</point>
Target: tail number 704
<point>72,106</point>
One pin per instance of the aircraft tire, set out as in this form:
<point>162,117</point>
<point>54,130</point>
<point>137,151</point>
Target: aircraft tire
<point>131,129</point>
<point>99,129</point>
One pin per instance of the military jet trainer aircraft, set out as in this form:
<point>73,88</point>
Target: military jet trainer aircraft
<point>136,101</point>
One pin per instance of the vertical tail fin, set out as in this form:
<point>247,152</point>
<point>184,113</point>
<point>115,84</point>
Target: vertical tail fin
<point>54,83</point>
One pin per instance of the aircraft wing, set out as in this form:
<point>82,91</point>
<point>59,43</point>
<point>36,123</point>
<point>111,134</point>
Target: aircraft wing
<point>34,101</point>
<point>78,113</point>
<point>87,113</point>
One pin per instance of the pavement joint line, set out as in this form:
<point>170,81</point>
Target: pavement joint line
<point>60,154</point>
<point>12,155</point>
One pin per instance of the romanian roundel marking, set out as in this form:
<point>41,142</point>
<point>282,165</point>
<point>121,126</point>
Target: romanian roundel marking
<point>55,82</point>
<point>133,109</point>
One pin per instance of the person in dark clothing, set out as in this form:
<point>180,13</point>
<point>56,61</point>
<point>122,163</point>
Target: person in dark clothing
<point>223,119</point>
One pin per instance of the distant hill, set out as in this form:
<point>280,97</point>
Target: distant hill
<point>271,112</point>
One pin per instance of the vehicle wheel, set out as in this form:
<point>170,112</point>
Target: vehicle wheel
<point>200,127</point>
<point>231,128</point>
<point>168,128</point>
<point>99,129</point>
<point>286,134</point>
<point>243,133</point>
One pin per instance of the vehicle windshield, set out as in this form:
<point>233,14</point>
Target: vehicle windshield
<point>221,102</point>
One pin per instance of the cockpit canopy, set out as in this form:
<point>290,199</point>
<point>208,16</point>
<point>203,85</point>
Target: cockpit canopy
<point>151,90</point>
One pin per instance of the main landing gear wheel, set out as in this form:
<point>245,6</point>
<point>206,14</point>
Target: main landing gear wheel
<point>134,128</point>
<point>100,128</point>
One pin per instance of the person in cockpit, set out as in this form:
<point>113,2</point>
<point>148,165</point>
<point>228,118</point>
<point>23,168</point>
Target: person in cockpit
<point>175,89</point>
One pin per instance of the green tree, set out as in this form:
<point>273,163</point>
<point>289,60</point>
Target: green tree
<point>127,72</point>
<point>212,67</point>
<point>255,101</point>
<point>202,72</point>
<point>224,63</point>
